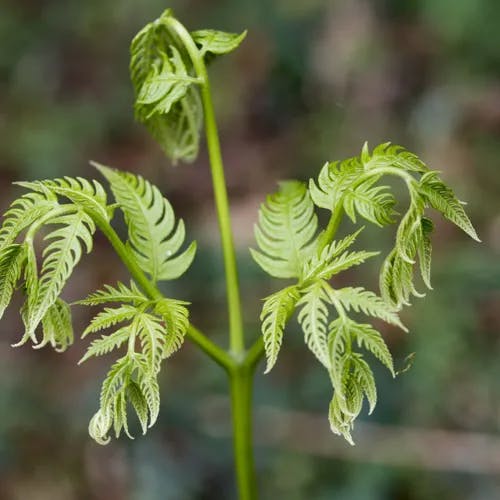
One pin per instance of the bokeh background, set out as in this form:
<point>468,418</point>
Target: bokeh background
<point>312,82</point>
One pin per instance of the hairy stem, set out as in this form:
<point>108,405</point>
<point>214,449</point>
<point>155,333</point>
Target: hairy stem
<point>206,345</point>
<point>236,339</point>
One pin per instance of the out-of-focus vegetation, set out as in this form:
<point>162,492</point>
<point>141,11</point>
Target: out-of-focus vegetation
<point>313,80</point>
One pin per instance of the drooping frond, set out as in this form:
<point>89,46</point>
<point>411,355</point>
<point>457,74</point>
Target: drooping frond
<point>370,339</point>
<point>442,198</point>
<point>167,100</point>
<point>154,235</point>
<point>276,311</point>
<point>176,317</point>
<point>287,224</point>
<point>313,317</point>
<point>57,327</point>
<point>71,237</point>
<point>89,195</point>
<point>12,259</point>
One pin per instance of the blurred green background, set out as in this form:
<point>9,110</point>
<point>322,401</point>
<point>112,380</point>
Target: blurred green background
<point>312,82</point>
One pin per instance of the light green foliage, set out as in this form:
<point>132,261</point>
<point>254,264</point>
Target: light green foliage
<point>159,61</point>
<point>154,236</point>
<point>287,223</point>
<point>167,86</point>
<point>213,43</point>
<point>66,212</point>
<point>290,246</point>
<point>152,330</point>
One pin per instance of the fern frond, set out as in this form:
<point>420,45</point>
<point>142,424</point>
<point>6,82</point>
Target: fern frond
<point>375,204</point>
<point>167,83</point>
<point>154,235</point>
<point>176,317</point>
<point>370,339</point>
<point>67,242</point>
<point>89,195</point>
<point>12,259</point>
<point>152,335</point>
<point>313,318</point>
<point>110,317</point>
<point>315,263</point>
<point>340,423</point>
<point>106,344</point>
<point>176,124</point>
<point>364,379</point>
<point>339,344</point>
<point>333,180</point>
<point>442,198</point>
<point>361,300</point>
<point>287,224</point>
<point>213,42</point>
<point>57,327</point>
<point>23,212</point>
<point>121,293</point>
<point>392,155</point>
<point>276,311</point>
<point>424,251</point>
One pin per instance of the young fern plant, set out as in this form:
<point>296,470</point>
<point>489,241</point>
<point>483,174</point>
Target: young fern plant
<point>46,231</point>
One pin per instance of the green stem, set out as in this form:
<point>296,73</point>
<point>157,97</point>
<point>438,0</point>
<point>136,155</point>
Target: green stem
<point>241,380</point>
<point>236,339</point>
<point>331,229</point>
<point>206,345</point>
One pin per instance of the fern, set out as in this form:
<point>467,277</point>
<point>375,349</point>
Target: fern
<point>175,125</point>
<point>276,311</point>
<point>23,212</point>
<point>214,43</point>
<point>158,327</point>
<point>442,198</point>
<point>287,224</point>
<point>313,317</point>
<point>57,327</point>
<point>12,258</point>
<point>60,257</point>
<point>290,246</point>
<point>154,235</point>
<point>89,195</point>
<point>120,293</point>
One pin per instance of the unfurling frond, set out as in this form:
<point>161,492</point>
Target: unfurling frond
<point>287,224</point>
<point>392,155</point>
<point>127,381</point>
<point>167,100</point>
<point>154,235</point>
<point>276,311</point>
